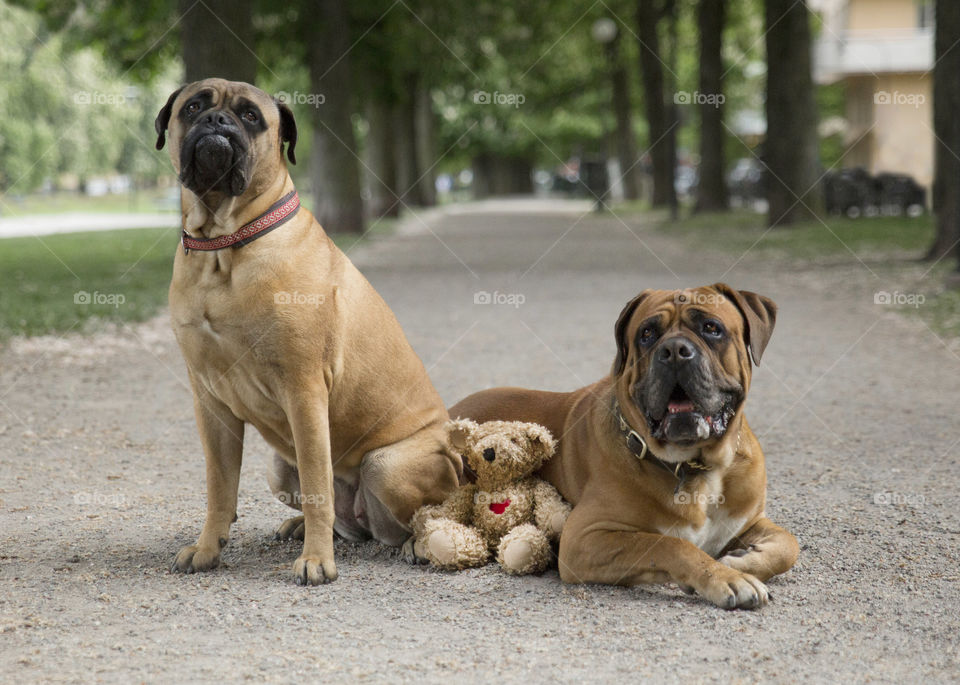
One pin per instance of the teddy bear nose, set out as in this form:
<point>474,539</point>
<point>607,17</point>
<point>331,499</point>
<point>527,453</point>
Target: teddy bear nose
<point>489,454</point>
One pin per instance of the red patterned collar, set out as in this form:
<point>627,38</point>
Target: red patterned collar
<point>278,214</point>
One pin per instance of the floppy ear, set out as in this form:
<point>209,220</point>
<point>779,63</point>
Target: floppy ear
<point>288,131</point>
<point>163,118</point>
<point>620,331</point>
<point>759,316</point>
<point>542,438</point>
<point>459,432</point>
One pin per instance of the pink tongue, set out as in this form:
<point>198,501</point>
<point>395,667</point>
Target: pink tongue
<point>677,407</point>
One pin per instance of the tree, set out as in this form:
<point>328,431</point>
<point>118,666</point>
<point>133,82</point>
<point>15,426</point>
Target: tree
<point>626,146</point>
<point>946,124</point>
<point>712,189</point>
<point>336,170</point>
<point>661,143</point>
<point>217,40</point>
<point>791,147</point>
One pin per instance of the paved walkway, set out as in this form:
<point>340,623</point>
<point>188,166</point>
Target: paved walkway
<point>101,472</point>
<point>76,222</point>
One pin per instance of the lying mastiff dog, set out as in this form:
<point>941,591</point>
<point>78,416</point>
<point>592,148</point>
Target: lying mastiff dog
<point>666,477</point>
<point>280,331</point>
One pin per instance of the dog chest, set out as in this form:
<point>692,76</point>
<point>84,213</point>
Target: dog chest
<point>716,532</point>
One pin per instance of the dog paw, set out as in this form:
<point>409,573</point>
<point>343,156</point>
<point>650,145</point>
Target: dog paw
<point>413,553</point>
<point>193,558</point>
<point>311,570</point>
<point>732,589</point>
<point>291,529</point>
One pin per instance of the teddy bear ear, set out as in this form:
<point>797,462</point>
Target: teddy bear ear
<point>459,432</point>
<point>541,437</point>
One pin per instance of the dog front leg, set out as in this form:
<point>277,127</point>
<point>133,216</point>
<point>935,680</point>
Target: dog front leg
<point>222,436</point>
<point>596,549</point>
<point>310,424</point>
<point>764,550</point>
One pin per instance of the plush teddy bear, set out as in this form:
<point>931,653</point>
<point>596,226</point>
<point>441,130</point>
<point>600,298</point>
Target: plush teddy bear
<point>507,510</point>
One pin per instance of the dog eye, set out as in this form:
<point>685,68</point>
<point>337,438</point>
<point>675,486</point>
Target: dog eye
<point>647,334</point>
<point>193,108</point>
<point>250,115</point>
<point>712,329</point>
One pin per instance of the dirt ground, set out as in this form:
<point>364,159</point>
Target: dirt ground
<point>101,482</point>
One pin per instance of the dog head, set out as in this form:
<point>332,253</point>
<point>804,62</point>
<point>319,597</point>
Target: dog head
<point>683,362</point>
<point>496,453</point>
<point>225,136</point>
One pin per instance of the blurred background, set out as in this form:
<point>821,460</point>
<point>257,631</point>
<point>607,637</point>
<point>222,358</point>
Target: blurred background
<point>753,114</point>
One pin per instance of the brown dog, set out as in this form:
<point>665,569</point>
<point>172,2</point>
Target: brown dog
<point>667,478</point>
<point>280,330</point>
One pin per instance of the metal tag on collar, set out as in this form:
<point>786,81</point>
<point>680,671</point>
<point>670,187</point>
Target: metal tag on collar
<point>183,242</point>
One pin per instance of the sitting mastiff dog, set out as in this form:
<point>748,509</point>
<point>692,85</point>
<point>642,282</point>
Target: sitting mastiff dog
<point>666,478</point>
<point>279,330</point>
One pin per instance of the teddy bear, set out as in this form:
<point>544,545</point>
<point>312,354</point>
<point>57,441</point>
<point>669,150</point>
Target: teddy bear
<point>506,511</point>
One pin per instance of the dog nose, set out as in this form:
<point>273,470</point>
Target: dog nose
<point>676,351</point>
<point>489,454</point>
<point>216,118</point>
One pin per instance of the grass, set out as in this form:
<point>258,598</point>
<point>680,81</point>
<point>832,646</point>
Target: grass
<point>738,231</point>
<point>78,281</point>
<point>64,202</point>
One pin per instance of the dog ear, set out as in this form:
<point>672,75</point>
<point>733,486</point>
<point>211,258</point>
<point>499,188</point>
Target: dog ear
<point>620,331</point>
<point>542,438</point>
<point>759,316</point>
<point>459,432</point>
<point>163,118</point>
<point>288,130</point>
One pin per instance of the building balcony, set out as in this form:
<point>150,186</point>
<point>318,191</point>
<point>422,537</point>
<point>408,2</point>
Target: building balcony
<point>859,53</point>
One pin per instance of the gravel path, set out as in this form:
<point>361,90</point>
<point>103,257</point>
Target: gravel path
<point>101,482</point>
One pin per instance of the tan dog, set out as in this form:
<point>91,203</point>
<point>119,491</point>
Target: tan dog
<point>667,478</point>
<point>285,334</point>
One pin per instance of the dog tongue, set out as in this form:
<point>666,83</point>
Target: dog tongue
<point>677,407</point>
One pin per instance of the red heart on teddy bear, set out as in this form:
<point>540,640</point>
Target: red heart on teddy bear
<point>499,507</point>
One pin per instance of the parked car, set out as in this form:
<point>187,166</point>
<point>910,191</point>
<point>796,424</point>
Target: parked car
<point>854,192</point>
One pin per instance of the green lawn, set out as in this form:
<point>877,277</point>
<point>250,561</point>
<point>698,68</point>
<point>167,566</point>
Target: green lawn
<point>737,231</point>
<point>63,202</point>
<point>76,281</point>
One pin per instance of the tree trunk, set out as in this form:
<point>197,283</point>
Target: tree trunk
<point>946,124</point>
<point>791,148</point>
<point>626,146</point>
<point>405,132</point>
<point>381,160</point>
<point>336,173</point>
<point>712,189</point>
<point>651,71</point>
<point>217,39</point>
<point>425,143</point>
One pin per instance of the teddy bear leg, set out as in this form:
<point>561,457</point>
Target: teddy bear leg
<point>451,545</point>
<point>525,549</point>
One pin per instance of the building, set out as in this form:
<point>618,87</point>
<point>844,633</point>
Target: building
<point>882,52</point>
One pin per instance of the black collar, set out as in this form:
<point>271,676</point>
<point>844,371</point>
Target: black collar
<point>639,448</point>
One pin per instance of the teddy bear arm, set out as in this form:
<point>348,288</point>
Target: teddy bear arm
<point>550,510</point>
<point>458,507</point>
